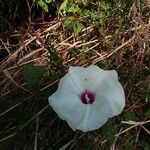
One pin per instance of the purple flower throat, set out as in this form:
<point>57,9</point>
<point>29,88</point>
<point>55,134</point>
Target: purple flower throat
<point>87,97</point>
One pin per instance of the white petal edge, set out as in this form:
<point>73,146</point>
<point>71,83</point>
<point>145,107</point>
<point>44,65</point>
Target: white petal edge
<point>84,76</point>
<point>112,90</point>
<point>68,85</point>
<point>68,107</point>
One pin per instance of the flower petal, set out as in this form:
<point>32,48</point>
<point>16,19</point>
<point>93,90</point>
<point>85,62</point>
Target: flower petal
<point>109,100</point>
<point>117,99</point>
<point>112,74</point>
<point>112,90</point>
<point>84,76</point>
<point>68,85</point>
<point>68,107</point>
<point>96,114</point>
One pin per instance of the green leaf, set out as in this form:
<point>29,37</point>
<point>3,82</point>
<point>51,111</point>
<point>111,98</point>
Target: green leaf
<point>105,5</point>
<point>101,30</point>
<point>69,23</point>
<point>32,75</point>
<point>54,59</point>
<point>74,9</point>
<point>42,4</point>
<point>115,39</point>
<point>131,115</point>
<point>85,2</point>
<point>78,28</point>
<point>48,1</point>
<point>63,6</point>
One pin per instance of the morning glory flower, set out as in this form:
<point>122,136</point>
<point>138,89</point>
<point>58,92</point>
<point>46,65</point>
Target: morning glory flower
<point>87,97</point>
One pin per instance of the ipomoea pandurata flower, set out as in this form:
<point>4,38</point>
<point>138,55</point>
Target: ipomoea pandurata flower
<point>87,97</point>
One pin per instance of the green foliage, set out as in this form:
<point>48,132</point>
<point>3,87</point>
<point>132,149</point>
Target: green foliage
<point>32,75</point>
<point>109,130</point>
<point>63,6</point>
<point>129,144</point>
<point>115,39</point>
<point>148,113</point>
<point>78,28</point>
<point>68,7</point>
<point>131,115</point>
<point>144,145</point>
<point>77,13</point>
<point>71,23</point>
<point>54,59</point>
<point>44,4</point>
<point>86,144</point>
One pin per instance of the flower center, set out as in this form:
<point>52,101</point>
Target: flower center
<point>87,97</point>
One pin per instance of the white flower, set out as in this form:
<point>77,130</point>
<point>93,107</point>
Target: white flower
<point>87,97</point>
